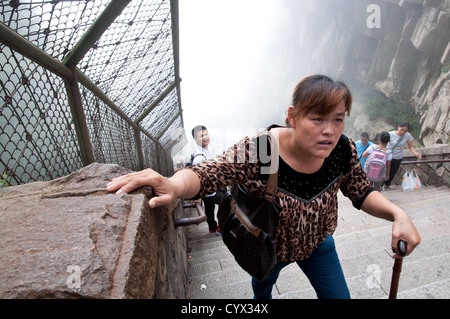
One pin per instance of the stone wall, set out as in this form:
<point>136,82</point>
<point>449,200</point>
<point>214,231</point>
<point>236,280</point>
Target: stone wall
<point>69,238</point>
<point>437,174</point>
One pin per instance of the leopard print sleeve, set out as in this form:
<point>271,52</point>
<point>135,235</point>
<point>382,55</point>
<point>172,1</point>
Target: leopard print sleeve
<point>237,165</point>
<point>354,184</point>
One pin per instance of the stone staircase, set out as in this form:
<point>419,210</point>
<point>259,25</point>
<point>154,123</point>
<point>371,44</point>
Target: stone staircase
<point>363,244</point>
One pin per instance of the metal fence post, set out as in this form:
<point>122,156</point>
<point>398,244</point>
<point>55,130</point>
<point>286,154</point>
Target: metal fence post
<point>138,142</point>
<point>79,120</point>
<point>158,160</point>
<point>100,25</point>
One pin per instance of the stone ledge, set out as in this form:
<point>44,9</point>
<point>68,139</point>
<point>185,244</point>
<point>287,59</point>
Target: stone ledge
<point>69,238</point>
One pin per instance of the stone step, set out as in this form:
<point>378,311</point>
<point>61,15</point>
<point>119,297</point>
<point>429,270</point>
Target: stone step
<point>350,221</point>
<point>363,245</point>
<point>233,290</point>
<point>349,248</point>
<point>405,199</point>
<point>435,290</point>
<point>216,280</point>
<point>399,197</point>
<point>210,242</point>
<point>370,224</point>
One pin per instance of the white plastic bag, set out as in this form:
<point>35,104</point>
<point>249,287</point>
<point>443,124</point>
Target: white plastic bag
<point>411,181</point>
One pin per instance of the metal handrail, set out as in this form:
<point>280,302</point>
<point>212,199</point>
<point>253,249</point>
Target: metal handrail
<point>444,160</point>
<point>192,220</point>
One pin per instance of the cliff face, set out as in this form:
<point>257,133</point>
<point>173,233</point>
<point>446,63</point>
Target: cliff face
<point>406,56</point>
<point>400,47</point>
<point>419,72</point>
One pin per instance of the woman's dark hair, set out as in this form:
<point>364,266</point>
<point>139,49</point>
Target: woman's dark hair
<point>321,94</point>
<point>404,124</point>
<point>385,137</point>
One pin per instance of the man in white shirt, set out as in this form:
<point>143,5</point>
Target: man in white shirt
<point>201,137</point>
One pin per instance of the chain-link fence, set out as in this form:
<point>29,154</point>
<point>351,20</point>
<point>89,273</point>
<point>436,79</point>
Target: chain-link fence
<point>84,81</point>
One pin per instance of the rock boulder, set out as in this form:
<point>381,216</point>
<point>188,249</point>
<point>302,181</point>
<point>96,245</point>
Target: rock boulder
<point>69,238</point>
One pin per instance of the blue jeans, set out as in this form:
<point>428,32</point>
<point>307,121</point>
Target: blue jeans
<point>322,268</point>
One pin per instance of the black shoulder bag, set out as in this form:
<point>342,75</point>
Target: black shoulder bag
<point>249,226</point>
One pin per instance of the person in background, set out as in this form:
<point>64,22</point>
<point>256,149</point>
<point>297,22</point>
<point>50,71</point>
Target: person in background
<point>201,154</point>
<point>399,138</point>
<point>384,140</point>
<point>362,145</point>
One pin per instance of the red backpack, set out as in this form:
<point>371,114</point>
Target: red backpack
<point>375,166</point>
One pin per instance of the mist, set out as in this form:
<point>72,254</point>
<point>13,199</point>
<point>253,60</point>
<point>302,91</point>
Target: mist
<point>237,68</point>
<point>241,60</point>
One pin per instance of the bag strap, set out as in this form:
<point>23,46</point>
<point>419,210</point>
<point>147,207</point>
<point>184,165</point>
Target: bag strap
<point>365,148</point>
<point>398,142</point>
<point>272,186</point>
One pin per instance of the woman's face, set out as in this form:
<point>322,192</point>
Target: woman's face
<point>402,130</point>
<point>317,134</point>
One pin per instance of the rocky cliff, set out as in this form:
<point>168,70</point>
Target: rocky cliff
<point>398,47</point>
<point>406,55</point>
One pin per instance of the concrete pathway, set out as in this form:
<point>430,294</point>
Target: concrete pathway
<point>363,244</point>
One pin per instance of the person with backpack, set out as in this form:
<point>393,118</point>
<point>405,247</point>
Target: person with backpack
<point>378,163</point>
<point>201,154</point>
